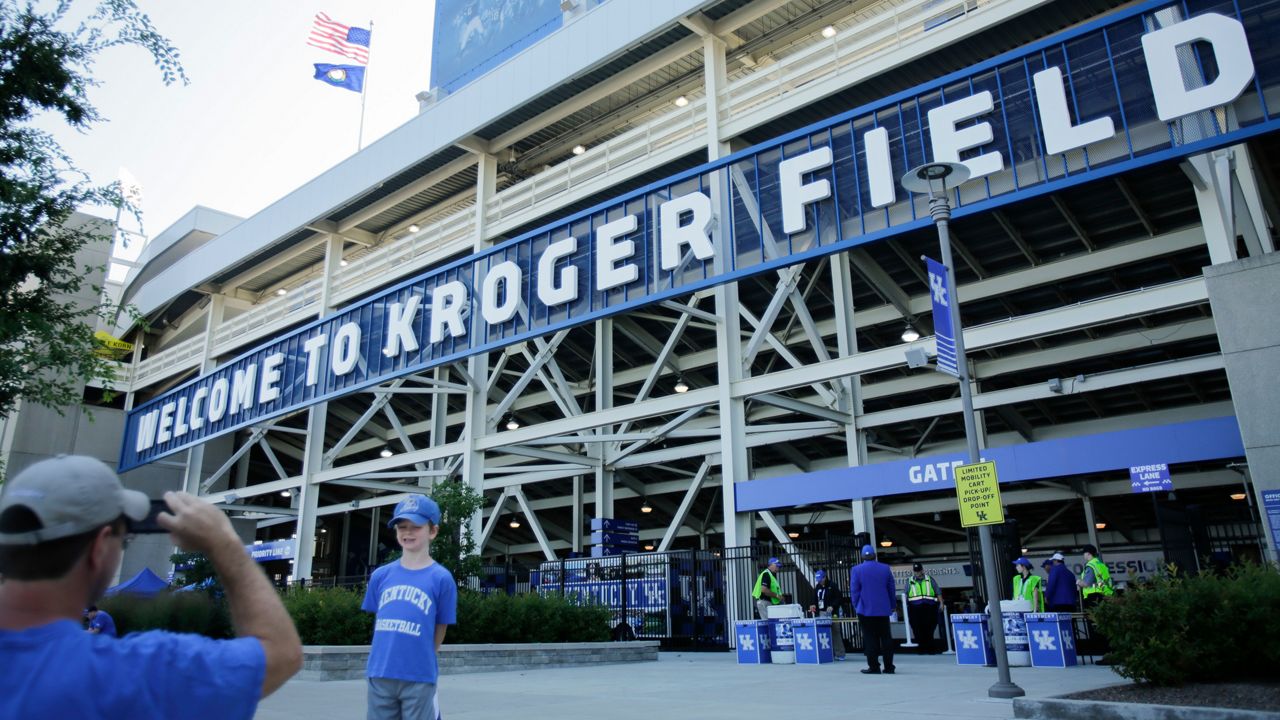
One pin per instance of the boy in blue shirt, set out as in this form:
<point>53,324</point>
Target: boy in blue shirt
<point>415,599</point>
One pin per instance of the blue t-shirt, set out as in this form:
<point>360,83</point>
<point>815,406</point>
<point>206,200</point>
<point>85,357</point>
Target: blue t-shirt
<point>59,670</point>
<point>103,623</point>
<point>409,605</point>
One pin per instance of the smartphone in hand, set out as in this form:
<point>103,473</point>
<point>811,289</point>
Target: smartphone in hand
<point>148,525</point>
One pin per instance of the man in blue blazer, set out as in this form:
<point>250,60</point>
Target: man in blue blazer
<point>872,591</point>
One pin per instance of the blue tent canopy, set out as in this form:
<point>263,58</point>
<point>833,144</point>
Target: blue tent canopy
<point>144,583</point>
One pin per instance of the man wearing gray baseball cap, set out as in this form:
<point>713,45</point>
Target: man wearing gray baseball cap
<point>64,523</point>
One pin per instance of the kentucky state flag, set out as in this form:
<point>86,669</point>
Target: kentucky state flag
<point>350,77</point>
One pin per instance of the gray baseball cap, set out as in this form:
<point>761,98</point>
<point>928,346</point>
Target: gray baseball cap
<point>69,495</point>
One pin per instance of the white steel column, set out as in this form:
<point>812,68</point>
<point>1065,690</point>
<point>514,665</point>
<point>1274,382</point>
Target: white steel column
<point>476,423</point>
<point>195,456</point>
<point>850,397</point>
<point>604,400</point>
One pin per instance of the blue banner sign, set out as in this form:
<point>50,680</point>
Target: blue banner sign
<point>1153,82</point>
<point>940,295</point>
<point>1192,441</point>
<point>649,594</point>
<point>1271,506</point>
<point>615,525</point>
<point>274,550</point>
<point>1150,478</point>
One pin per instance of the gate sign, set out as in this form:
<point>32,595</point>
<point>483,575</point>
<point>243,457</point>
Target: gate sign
<point>1271,506</point>
<point>941,296</point>
<point>1150,478</point>
<point>978,492</point>
<point>1152,83</point>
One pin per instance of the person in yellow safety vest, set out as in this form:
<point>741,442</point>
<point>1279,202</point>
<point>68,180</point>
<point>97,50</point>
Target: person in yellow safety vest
<point>767,591</point>
<point>1095,587</point>
<point>924,601</point>
<point>1028,586</point>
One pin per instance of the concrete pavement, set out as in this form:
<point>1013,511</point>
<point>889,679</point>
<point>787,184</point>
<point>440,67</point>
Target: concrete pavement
<point>707,686</point>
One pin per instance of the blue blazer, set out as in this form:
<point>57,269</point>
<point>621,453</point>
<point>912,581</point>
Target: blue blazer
<point>872,589</point>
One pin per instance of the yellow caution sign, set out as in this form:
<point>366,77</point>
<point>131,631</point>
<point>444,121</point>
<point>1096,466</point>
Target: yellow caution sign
<point>111,346</point>
<point>978,492</point>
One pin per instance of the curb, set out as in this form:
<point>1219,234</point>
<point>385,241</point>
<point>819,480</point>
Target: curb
<point>1059,709</point>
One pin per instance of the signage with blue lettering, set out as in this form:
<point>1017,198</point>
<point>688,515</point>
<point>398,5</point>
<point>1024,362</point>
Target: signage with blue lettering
<point>615,539</point>
<point>648,595</point>
<point>1099,100</point>
<point>1271,506</point>
<point>1191,441</point>
<point>940,294</point>
<point>1150,478</point>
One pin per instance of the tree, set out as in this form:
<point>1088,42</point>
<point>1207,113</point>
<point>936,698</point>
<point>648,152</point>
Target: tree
<point>454,546</point>
<point>46,336</point>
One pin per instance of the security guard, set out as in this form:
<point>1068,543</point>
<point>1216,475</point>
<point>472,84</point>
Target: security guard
<point>1095,587</point>
<point>924,602</point>
<point>768,591</point>
<point>1027,585</point>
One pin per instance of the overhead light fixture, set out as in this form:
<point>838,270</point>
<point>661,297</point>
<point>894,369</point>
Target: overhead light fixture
<point>886,543</point>
<point>286,493</point>
<point>514,523</point>
<point>1237,496</point>
<point>1100,525</point>
<point>937,517</point>
<point>282,292</point>
<point>649,547</point>
<point>909,334</point>
<point>386,451</point>
<point>1024,551</point>
<point>324,530</point>
<point>828,32</point>
<point>682,101</point>
<point>646,508</point>
<point>343,263</point>
<point>513,423</point>
<point>414,228</point>
<point>681,385</point>
<point>793,534</point>
<point>578,149</point>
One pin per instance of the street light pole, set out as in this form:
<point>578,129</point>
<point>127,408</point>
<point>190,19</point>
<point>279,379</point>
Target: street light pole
<point>937,179</point>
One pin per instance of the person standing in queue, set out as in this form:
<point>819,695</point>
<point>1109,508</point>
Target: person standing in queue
<point>768,591</point>
<point>872,591</point>
<point>1027,585</point>
<point>1095,587</point>
<point>1060,589</point>
<point>826,601</point>
<point>924,602</point>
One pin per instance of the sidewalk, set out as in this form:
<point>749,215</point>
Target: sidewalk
<point>707,686</point>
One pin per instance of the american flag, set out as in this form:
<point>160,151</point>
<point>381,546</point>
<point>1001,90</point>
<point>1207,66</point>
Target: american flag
<point>339,39</point>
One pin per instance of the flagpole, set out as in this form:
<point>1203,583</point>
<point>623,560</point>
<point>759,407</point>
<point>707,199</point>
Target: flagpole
<point>364,90</point>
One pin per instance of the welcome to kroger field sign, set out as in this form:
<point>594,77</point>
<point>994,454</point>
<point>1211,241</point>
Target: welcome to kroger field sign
<point>1153,82</point>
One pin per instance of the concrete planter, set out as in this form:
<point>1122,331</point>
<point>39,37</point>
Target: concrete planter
<point>347,662</point>
<point>1057,709</point>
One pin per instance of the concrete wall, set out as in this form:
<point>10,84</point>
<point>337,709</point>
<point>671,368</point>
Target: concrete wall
<point>347,662</point>
<point>1245,297</point>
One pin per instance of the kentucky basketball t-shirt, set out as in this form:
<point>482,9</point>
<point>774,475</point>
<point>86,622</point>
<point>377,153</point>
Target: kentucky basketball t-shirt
<point>409,604</point>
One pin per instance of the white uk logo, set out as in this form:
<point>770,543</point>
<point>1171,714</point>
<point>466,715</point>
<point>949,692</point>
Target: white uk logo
<point>746,643</point>
<point>1067,643</point>
<point>968,639</point>
<point>806,642</point>
<point>939,289</point>
<point>1044,639</point>
<point>824,641</point>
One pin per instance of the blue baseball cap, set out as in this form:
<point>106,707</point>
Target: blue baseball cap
<point>775,561</point>
<point>868,551</point>
<point>820,575</point>
<point>417,509</point>
<point>1022,561</point>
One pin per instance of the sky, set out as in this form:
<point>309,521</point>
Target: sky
<point>253,124</point>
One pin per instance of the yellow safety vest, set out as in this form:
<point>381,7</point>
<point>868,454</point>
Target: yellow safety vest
<point>922,589</point>
<point>1101,579</point>
<point>773,586</point>
<point>1027,591</point>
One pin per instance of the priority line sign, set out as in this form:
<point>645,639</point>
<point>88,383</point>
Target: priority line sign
<point>978,492</point>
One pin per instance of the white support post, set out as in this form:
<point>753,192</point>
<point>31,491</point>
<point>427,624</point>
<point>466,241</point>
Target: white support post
<point>600,452</point>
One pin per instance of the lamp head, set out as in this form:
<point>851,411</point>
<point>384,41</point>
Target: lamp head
<point>935,178</point>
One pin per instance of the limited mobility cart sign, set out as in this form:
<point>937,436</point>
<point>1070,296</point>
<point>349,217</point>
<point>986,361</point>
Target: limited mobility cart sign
<point>1148,84</point>
<point>978,492</point>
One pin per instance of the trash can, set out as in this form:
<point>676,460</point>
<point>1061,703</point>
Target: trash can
<point>1016,645</point>
<point>754,642</point>
<point>1052,640</point>
<point>784,643</point>
<point>813,641</point>
<point>972,639</point>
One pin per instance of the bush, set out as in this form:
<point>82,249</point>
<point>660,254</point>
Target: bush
<point>531,618</point>
<point>186,612</point>
<point>1205,628</point>
<point>329,616</point>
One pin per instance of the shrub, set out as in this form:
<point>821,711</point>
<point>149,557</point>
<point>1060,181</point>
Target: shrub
<point>530,618</point>
<point>329,616</point>
<point>1204,628</point>
<point>186,612</point>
